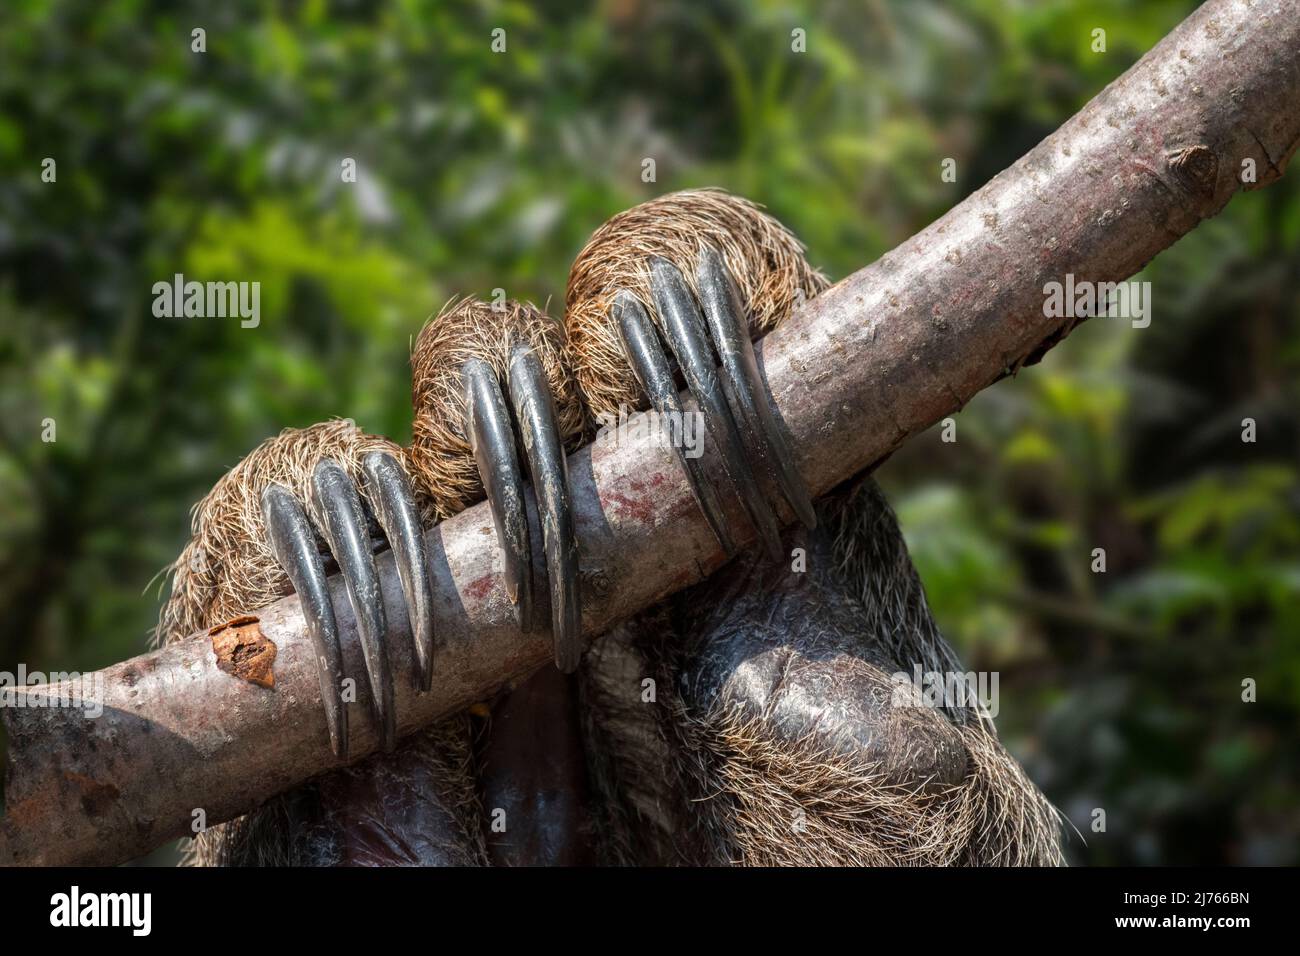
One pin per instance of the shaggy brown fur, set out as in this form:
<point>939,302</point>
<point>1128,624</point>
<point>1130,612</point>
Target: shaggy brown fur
<point>227,568</point>
<point>765,259</point>
<point>805,805</point>
<point>442,461</point>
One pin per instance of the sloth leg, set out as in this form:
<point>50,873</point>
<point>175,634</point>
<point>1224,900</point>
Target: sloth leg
<point>783,730</point>
<point>532,780</point>
<point>492,439</point>
<point>411,806</point>
<point>416,805</point>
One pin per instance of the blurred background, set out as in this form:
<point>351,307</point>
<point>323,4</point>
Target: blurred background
<point>477,170</point>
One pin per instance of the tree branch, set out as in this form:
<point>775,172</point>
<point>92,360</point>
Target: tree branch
<point>874,360</point>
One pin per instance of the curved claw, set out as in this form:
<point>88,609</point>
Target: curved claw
<point>345,530</point>
<point>492,439</point>
<point>294,546</point>
<point>650,367</point>
<point>684,328</point>
<point>722,309</point>
<point>390,495</point>
<point>550,472</point>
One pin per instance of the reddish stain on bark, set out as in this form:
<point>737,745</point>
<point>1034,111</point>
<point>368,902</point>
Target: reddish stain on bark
<point>636,508</point>
<point>480,587</point>
<point>638,504</point>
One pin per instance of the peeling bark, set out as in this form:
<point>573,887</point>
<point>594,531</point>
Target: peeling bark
<point>243,650</point>
<point>874,360</point>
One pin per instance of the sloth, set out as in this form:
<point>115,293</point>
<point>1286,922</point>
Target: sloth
<point>755,718</point>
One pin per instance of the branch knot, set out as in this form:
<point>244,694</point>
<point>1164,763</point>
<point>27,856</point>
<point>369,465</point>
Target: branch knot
<point>1196,168</point>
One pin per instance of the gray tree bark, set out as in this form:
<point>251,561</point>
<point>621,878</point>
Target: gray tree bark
<point>873,361</point>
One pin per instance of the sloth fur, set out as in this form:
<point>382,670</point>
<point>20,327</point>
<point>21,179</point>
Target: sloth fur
<point>774,734</point>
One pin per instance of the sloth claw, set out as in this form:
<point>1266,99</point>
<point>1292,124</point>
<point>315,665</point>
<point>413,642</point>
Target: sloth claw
<point>736,413</point>
<point>549,468</point>
<point>684,328</point>
<point>492,439</point>
<point>293,544</point>
<point>339,506</point>
<point>394,504</point>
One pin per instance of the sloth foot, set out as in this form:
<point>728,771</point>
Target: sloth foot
<point>346,531</point>
<point>736,416</point>
<point>736,413</point>
<point>492,438</point>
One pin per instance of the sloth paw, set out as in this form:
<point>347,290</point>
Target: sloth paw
<point>492,439</point>
<point>344,525</point>
<point>702,335</point>
<point>737,418</point>
<point>467,361</point>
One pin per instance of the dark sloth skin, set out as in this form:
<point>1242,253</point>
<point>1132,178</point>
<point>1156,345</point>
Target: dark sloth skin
<point>786,647</point>
<point>533,769</point>
<point>809,653</point>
